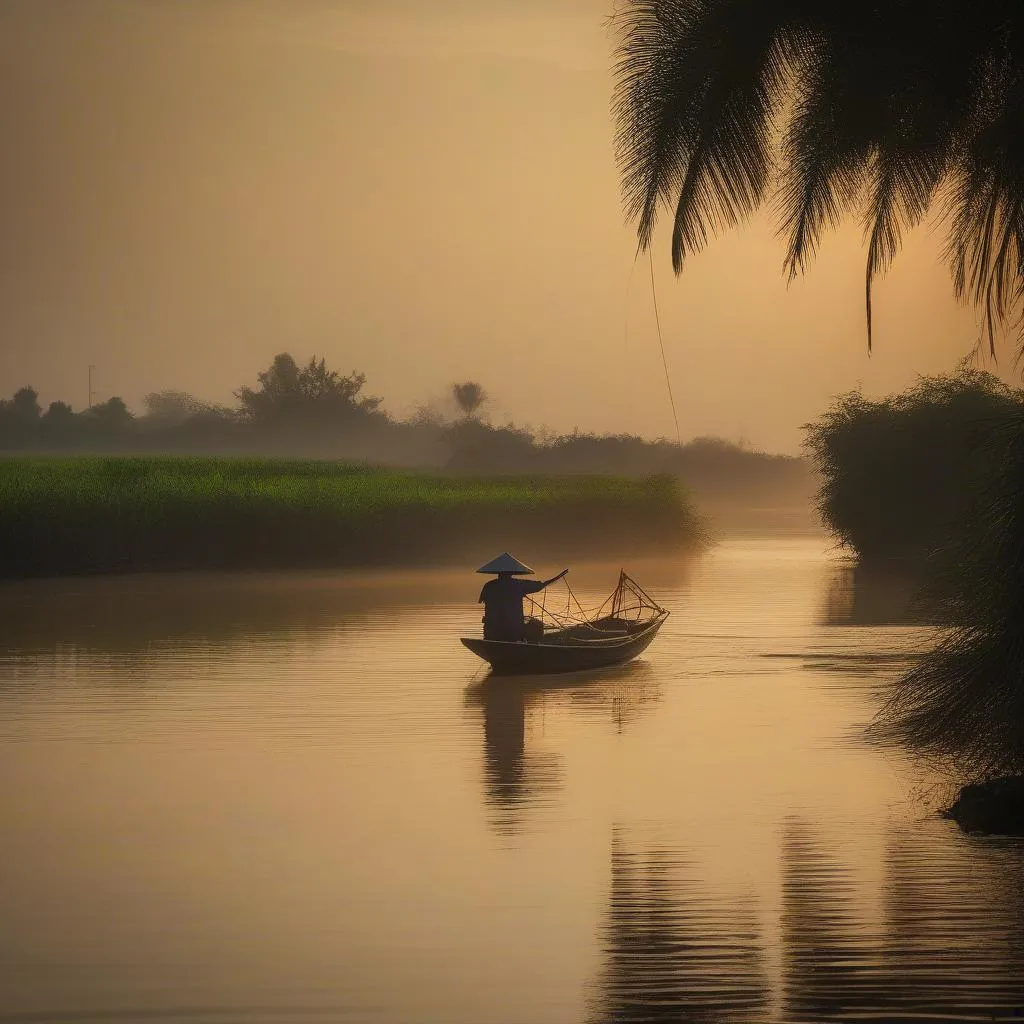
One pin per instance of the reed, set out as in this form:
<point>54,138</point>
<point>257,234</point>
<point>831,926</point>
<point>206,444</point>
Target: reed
<point>66,516</point>
<point>963,702</point>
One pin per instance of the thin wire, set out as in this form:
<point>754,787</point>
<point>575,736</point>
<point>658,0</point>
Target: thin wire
<point>661,342</point>
<point>629,288</point>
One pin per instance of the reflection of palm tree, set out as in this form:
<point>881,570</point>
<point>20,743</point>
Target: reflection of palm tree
<point>671,955</point>
<point>950,942</point>
<point>955,920</point>
<point>829,969</point>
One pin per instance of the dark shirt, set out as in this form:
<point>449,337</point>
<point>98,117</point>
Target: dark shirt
<point>502,599</point>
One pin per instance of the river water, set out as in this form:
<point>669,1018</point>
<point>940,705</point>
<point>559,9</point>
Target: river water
<point>296,797</point>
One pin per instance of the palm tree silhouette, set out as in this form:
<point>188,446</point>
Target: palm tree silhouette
<point>890,111</point>
<point>885,110</point>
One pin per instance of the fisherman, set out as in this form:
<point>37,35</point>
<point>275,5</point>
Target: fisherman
<point>502,598</point>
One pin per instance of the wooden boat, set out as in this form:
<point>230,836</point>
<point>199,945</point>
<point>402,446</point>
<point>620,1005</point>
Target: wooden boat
<point>574,641</point>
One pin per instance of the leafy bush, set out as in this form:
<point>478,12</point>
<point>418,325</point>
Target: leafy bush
<point>902,475</point>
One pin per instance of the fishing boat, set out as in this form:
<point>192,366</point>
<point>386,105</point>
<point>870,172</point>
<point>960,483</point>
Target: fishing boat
<point>573,640</point>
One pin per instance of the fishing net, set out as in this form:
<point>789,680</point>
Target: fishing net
<point>627,607</point>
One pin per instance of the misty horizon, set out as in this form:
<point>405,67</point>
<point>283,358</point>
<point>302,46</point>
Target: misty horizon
<point>192,189</point>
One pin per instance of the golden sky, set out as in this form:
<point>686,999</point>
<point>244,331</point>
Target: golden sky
<point>423,192</point>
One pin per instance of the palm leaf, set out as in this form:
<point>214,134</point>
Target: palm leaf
<point>902,185</point>
<point>825,159</point>
<point>698,86</point>
<point>867,107</point>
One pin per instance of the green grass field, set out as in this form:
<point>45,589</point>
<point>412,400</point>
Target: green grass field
<point>65,516</point>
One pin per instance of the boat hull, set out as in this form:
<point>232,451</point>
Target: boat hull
<point>507,658</point>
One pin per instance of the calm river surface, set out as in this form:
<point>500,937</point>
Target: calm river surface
<point>292,797</point>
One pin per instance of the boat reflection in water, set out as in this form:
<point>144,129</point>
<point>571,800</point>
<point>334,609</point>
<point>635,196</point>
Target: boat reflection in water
<point>517,778</point>
<point>673,952</point>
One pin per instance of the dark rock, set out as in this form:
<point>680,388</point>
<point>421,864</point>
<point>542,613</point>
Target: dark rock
<point>995,807</point>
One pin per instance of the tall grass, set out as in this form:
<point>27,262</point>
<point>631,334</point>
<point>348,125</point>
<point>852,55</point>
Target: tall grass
<point>96,515</point>
<point>963,703</point>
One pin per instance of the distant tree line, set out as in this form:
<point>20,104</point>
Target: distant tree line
<point>310,410</point>
<point>286,395</point>
<point>23,424</point>
<point>290,403</point>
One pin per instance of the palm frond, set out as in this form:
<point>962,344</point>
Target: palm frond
<point>868,107</point>
<point>698,84</point>
<point>986,245</point>
<point>825,160</point>
<point>903,183</point>
<point>653,105</point>
<point>731,160</point>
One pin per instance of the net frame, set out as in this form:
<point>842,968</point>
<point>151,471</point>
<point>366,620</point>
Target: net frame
<point>629,603</point>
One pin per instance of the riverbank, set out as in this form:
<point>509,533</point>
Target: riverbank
<point>993,807</point>
<point>76,516</point>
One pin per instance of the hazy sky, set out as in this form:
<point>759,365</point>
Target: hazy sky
<point>425,192</point>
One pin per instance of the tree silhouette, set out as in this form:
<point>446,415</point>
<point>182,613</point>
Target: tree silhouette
<point>889,111</point>
<point>111,416</point>
<point>287,392</point>
<point>58,422</point>
<point>469,396</point>
<point>25,405</point>
<point>886,110</point>
<point>19,418</point>
<point>59,412</point>
<point>177,406</point>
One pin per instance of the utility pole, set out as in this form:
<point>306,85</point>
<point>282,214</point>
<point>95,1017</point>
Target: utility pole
<point>91,392</point>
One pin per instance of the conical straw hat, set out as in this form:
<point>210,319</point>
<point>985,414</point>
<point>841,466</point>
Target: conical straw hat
<point>506,563</point>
